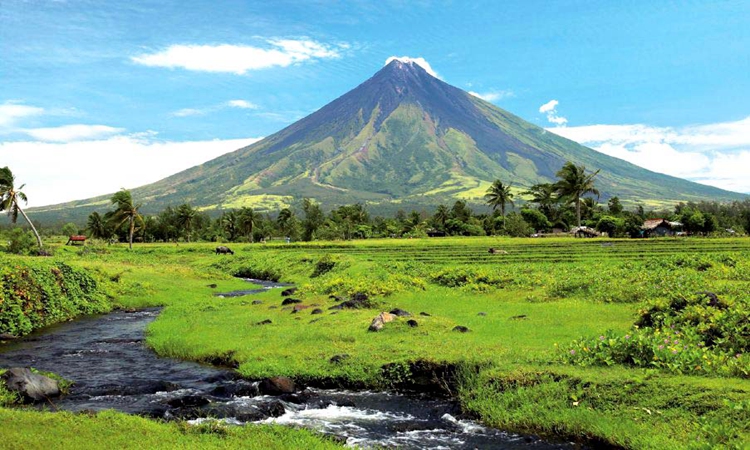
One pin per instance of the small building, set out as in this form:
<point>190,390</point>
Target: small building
<point>660,228</point>
<point>584,232</point>
<point>435,233</point>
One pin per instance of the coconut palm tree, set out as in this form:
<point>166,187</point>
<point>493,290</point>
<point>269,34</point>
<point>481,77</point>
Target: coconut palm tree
<point>126,211</point>
<point>246,220</point>
<point>575,182</point>
<point>9,200</point>
<point>498,195</point>
<point>186,216</point>
<point>442,214</point>
<point>98,227</point>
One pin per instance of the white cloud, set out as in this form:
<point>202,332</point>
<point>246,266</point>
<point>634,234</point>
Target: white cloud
<point>187,112</point>
<point>79,170</point>
<point>238,59</point>
<point>715,154</point>
<point>493,96</point>
<point>418,61</point>
<point>242,104</point>
<point>10,112</point>
<point>71,133</point>
<point>550,108</point>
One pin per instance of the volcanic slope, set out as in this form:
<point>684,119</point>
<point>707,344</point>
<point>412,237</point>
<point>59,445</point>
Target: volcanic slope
<point>402,137</point>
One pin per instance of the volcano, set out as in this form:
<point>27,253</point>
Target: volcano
<point>403,137</point>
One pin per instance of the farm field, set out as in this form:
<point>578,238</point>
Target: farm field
<point>614,342</point>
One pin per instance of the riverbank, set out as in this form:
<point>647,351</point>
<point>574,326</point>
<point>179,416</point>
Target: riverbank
<point>516,309</point>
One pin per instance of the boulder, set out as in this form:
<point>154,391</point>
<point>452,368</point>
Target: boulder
<point>32,386</point>
<point>460,329</point>
<point>212,285</point>
<point>257,302</point>
<point>400,312</point>
<point>276,386</point>
<point>7,337</point>
<point>316,311</point>
<point>290,301</point>
<point>288,292</point>
<point>188,401</point>
<point>380,321</point>
<point>264,322</point>
<point>425,314</point>
<point>412,323</point>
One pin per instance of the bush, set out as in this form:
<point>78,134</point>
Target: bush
<point>22,242</point>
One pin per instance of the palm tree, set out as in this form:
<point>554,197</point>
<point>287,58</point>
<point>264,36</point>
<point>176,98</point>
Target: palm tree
<point>246,219</point>
<point>287,222</point>
<point>97,226</point>
<point>575,182</point>
<point>126,211</point>
<point>186,216</point>
<point>229,223</point>
<point>9,197</point>
<point>441,216</point>
<point>498,195</point>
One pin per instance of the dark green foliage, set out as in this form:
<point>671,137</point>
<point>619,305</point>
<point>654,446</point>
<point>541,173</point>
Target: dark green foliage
<point>42,292</point>
<point>21,242</point>
<point>323,266</point>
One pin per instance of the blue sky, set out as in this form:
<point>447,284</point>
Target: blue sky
<point>153,87</point>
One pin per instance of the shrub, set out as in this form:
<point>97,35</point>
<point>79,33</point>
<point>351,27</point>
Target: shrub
<point>21,242</point>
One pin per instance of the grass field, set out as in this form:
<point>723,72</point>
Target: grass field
<point>549,349</point>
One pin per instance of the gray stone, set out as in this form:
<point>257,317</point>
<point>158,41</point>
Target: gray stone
<point>31,386</point>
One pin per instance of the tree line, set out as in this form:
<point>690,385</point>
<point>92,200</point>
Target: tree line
<point>571,201</point>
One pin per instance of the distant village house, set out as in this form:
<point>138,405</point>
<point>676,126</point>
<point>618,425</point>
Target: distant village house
<point>660,228</point>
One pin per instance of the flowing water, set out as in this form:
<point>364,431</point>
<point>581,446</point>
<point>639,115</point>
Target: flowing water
<point>106,358</point>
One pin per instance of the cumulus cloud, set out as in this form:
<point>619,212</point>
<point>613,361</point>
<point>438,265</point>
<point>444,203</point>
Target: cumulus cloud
<point>418,61</point>
<point>550,109</point>
<point>716,154</point>
<point>11,112</point>
<point>493,96</point>
<point>239,59</point>
<point>83,169</point>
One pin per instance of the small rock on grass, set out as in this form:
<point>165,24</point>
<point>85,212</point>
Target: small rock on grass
<point>316,311</point>
<point>400,312</point>
<point>461,329</point>
<point>264,322</point>
<point>290,301</point>
<point>338,359</point>
<point>288,292</point>
<point>519,317</point>
<point>482,314</point>
<point>257,302</point>
<point>412,323</point>
<point>425,314</point>
<point>212,285</point>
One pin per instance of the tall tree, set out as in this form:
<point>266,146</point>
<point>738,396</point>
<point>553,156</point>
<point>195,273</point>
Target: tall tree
<point>543,195</point>
<point>97,226</point>
<point>186,218</point>
<point>442,214</point>
<point>9,200</point>
<point>246,220</point>
<point>499,194</point>
<point>573,183</point>
<point>314,218</point>
<point>126,211</point>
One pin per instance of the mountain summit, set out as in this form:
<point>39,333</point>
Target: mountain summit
<point>403,137</point>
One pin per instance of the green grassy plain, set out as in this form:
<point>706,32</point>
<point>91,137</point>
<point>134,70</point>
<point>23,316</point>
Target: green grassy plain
<point>535,300</point>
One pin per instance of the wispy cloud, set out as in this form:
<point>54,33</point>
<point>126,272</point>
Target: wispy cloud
<point>240,59</point>
<point>239,104</point>
<point>550,109</point>
<point>716,154</point>
<point>11,112</point>
<point>493,96</point>
<point>71,133</point>
<point>141,159</point>
<point>418,61</point>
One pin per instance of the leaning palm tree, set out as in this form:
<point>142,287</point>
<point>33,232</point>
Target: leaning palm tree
<point>97,225</point>
<point>126,211</point>
<point>498,195</point>
<point>575,182</point>
<point>9,200</point>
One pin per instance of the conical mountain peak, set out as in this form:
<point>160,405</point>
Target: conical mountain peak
<point>403,138</point>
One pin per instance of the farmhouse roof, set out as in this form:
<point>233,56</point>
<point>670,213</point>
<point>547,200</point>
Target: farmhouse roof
<point>651,224</point>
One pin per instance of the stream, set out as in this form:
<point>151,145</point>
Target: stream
<point>106,358</point>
